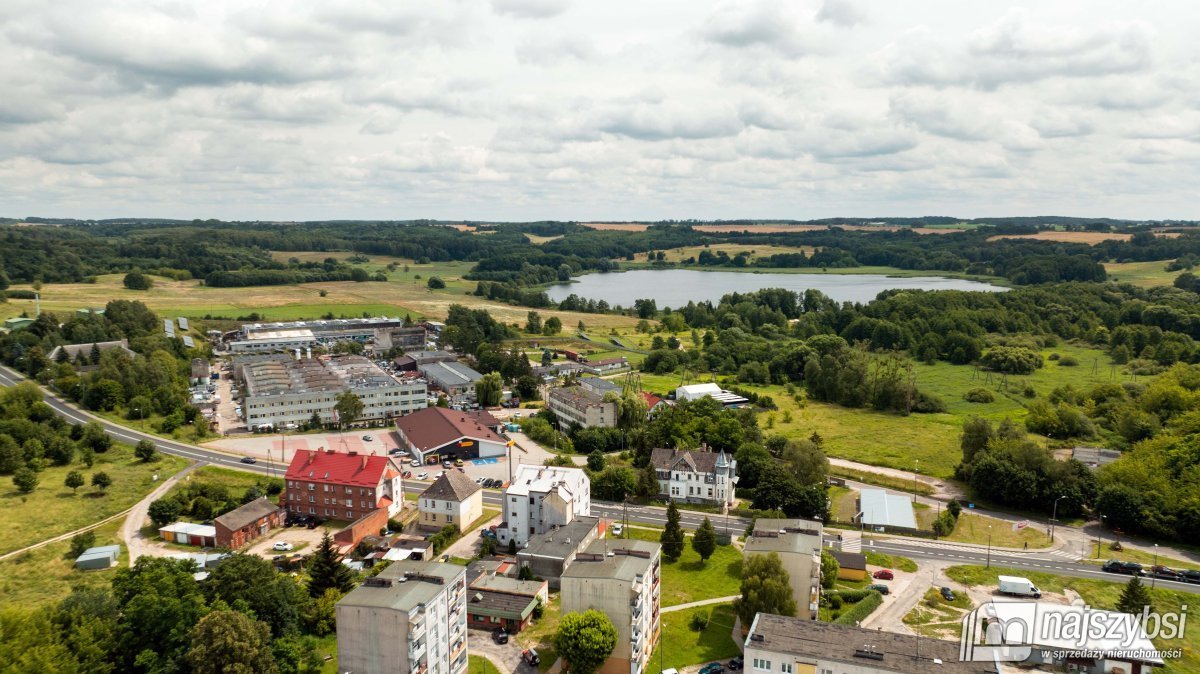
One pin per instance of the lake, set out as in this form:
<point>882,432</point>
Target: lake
<point>677,287</point>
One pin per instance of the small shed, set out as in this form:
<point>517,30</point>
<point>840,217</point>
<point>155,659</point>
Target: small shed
<point>851,565</point>
<point>188,533</point>
<point>102,557</point>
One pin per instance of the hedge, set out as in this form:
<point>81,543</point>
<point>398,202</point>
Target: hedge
<point>857,613</point>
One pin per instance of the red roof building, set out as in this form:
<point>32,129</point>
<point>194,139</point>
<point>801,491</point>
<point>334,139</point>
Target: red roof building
<point>450,434</point>
<point>341,485</point>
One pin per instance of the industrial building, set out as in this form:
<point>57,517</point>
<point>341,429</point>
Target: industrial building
<point>330,330</point>
<point>271,341</point>
<point>452,378</point>
<point>410,619</point>
<point>278,391</point>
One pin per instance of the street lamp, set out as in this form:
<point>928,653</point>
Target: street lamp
<point>1054,516</point>
<point>141,417</point>
<point>1153,570</point>
<point>916,465</point>
<point>1100,536</point>
<point>989,547</point>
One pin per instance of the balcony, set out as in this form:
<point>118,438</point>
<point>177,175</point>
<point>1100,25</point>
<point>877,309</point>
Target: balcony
<point>416,651</point>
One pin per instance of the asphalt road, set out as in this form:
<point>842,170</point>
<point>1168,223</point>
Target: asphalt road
<point>1030,561</point>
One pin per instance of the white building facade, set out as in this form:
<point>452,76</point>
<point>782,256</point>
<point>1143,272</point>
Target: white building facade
<point>542,497</point>
<point>695,476</point>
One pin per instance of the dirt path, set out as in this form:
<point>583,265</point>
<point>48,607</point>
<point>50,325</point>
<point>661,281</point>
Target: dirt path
<point>702,602</point>
<point>63,537</point>
<point>131,530</point>
<point>890,616</point>
<point>942,489</point>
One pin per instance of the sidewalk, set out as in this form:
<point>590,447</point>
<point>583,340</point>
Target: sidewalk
<point>702,602</point>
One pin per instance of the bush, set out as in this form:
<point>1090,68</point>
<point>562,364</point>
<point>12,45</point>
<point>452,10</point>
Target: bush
<point>835,601</point>
<point>979,395</point>
<point>857,613</point>
<point>698,622</point>
<point>1012,360</point>
<point>1029,391</point>
<point>1053,356</point>
<point>435,283</point>
<point>1068,361</point>
<point>853,596</point>
<point>81,542</point>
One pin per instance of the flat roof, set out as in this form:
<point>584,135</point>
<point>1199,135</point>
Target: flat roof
<point>451,373</point>
<point>562,542</point>
<point>880,508</point>
<point>814,640</point>
<point>486,602</point>
<point>404,585</point>
<point>796,536</point>
<point>613,559</point>
<point>191,529</point>
<point>275,335</point>
<point>544,479</point>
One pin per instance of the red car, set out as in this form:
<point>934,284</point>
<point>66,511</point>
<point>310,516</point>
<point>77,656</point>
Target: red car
<point>406,474</point>
<point>882,574</point>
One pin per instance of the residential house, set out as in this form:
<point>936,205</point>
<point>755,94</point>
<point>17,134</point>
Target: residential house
<point>409,619</point>
<point>241,525</point>
<point>341,485</point>
<point>695,476</point>
<point>452,500</point>
<point>782,645</point>
<point>549,554</point>
<point>798,545</point>
<point>542,497</point>
<point>450,434</point>
<point>621,579</point>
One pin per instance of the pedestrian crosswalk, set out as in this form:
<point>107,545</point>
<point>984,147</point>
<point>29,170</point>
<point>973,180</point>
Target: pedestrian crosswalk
<point>851,541</point>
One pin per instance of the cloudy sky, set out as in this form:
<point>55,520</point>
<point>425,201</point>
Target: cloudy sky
<point>564,109</point>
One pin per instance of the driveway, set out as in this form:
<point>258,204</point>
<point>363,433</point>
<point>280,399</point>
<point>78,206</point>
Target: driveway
<point>506,657</point>
<point>139,516</point>
<point>304,539</point>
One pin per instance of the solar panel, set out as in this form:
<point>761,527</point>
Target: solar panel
<point>183,323</point>
<point>188,341</point>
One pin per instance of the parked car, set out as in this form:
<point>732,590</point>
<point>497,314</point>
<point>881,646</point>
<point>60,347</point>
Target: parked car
<point>367,438</point>
<point>447,464</point>
<point>500,635</point>
<point>617,529</point>
<point>249,459</point>
<point>283,546</point>
<point>458,463</point>
<point>395,451</point>
<point>487,533</point>
<point>1127,568</point>
<point>883,574</point>
<point>414,463</point>
<point>947,593</point>
<point>406,474</point>
<point>531,657</point>
<point>736,663</point>
<point>712,668</point>
<point>1164,572</point>
<point>1190,576</point>
<point>422,475</point>
<point>881,589</point>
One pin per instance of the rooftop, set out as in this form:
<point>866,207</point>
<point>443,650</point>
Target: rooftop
<point>788,535</point>
<point>247,514</point>
<point>490,581</point>
<point>404,585</point>
<point>500,604</point>
<point>451,373</point>
<point>333,374</point>
<point>451,485</point>
<point>278,335</point>
<point>623,559</point>
<point>576,397</point>
<point>345,468</point>
<point>880,508</point>
<point>560,543</point>
<point>696,461</point>
<point>850,560</point>
<point>598,385</point>
<point>810,640</point>
<point>543,479</point>
<point>436,426</point>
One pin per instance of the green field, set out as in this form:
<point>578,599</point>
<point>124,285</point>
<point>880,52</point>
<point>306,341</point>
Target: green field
<point>972,528</point>
<point>45,576</point>
<point>688,579</point>
<point>53,509</point>
<point>1141,274</point>
<point>679,645</point>
<point>477,664</point>
<point>1101,594</point>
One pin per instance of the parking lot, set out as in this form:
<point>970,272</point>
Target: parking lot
<point>303,540</point>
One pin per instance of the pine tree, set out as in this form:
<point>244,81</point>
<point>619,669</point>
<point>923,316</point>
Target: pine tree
<point>704,542</point>
<point>95,354</point>
<point>326,570</point>
<point>1134,597</point>
<point>672,535</point>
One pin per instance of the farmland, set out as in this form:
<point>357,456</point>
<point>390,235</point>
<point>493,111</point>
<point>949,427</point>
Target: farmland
<point>1142,274</point>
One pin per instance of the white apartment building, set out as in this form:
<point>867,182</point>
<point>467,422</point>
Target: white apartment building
<point>622,580</point>
<point>279,392</point>
<point>695,476</point>
<point>410,619</point>
<point>542,497</point>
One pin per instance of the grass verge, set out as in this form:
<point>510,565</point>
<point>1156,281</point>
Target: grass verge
<point>689,579</point>
<point>45,576</point>
<point>679,645</point>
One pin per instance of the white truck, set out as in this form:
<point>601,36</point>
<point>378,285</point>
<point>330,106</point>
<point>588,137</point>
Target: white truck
<point>1019,587</point>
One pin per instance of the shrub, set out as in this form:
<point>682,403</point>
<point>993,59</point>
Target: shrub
<point>979,395</point>
<point>1068,361</point>
<point>835,601</point>
<point>1053,356</point>
<point>857,613</point>
<point>1012,360</point>
<point>1029,391</point>
<point>698,622</point>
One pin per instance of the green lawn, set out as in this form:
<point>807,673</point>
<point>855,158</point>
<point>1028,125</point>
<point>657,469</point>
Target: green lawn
<point>236,481</point>
<point>45,576</point>
<point>843,502</point>
<point>891,561</point>
<point>680,646</point>
<point>1131,555</point>
<point>53,509</point>
<point>935,617</point>
<point>887,481</point>
<point>688,579</point>
<point>540,634</point>
<point>477,664</point>
<point>973,528</point>
<point>1104,595</point>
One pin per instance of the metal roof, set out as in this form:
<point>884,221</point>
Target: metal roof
<point>880,508</point>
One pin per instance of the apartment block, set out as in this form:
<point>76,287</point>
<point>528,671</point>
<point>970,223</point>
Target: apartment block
<point>341,485</point>
<point>410,619</point>
<point>540,498</point>
<point>581,406</point>
<point>279,391</point>
<point>620,578</point>
<point>798,544</point>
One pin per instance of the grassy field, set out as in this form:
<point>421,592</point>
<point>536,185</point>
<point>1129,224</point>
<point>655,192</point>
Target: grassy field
<point>888,481</point>
<point>477,664</point>
<point>680,646</point>
<point>843,503</point>
<point>405,293</point>
<point>973,528</point>
<point>1101,594</point>
<point>1141,274</point>
<point>53,509</point>
<point>1130,555</point>
<point>45,576</point>
<point>236,481</point>
<point>688,579</point>
<point>891,561</point>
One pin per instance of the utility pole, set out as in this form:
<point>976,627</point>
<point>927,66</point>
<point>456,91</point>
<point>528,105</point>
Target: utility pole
<point>1054,517</point>
<point>989,548</point>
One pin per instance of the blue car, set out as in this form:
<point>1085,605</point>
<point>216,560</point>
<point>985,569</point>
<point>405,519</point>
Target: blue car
<point>712,668</point>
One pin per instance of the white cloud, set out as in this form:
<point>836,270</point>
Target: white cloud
<point>531,109</point>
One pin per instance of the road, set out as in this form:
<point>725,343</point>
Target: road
<point>1045,563</point>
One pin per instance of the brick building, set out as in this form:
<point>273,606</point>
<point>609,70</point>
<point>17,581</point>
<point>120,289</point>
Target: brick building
<point>238,527</point>
<point>341,485</point>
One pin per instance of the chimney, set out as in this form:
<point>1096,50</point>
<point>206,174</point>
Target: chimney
<point>312,456</point>
<point>364,461</point>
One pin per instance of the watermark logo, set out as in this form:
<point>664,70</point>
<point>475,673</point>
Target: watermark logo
<point>1021,630</point>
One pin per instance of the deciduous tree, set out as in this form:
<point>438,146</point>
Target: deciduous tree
<point>230,642</point>
<point>765,588</point>
<point>585,640</point>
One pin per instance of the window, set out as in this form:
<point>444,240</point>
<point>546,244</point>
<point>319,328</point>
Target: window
<point>764,665</point>
<point>432,517</point>
<point>785,667</point>
<point>311,486</point>
<point>447,505</point>
<point>349,515</point>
